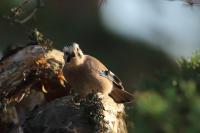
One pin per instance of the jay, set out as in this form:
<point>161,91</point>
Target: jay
<point>86,74</point>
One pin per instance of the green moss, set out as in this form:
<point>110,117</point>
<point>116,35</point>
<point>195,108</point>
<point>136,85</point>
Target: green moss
<point>147,99</point>
<point>171,103</point>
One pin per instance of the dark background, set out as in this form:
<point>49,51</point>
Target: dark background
<point>134,60</point>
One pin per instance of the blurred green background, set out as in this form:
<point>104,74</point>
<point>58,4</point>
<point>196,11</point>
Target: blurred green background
<point>165,86</point>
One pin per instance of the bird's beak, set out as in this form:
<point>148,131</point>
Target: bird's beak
<point>68,59</point>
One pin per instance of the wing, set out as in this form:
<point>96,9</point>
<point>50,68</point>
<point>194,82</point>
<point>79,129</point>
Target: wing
<point>95,65</point>
<point>118,93</point>
<point>112,77</point>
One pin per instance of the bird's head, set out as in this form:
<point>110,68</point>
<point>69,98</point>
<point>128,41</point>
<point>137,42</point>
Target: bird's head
<point>73,54</point>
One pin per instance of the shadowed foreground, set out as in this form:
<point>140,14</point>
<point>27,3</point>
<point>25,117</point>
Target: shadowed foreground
<point>65,115</point>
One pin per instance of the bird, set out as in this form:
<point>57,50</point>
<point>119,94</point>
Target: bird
<point>86,74</point>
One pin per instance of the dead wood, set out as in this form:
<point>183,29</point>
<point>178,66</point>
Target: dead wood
<point>30,77</point>
<point>34,66</point>
<point>96,113</point>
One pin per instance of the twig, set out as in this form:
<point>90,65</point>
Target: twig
<point>17,11</point>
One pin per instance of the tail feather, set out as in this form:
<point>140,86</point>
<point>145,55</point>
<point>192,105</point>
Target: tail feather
<point>121,96</point>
